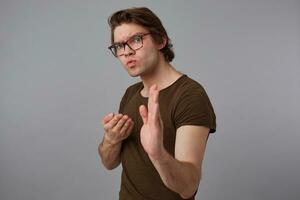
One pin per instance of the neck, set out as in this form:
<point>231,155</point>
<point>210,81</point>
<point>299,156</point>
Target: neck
<point>163,75</point>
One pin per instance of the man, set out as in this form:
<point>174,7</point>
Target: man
<point>164,121</point>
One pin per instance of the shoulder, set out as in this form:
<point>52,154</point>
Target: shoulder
<point>188,86</point>
<point>192,105</point>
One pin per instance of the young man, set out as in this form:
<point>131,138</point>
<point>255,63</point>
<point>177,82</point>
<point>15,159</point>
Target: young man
<point>164,121</point>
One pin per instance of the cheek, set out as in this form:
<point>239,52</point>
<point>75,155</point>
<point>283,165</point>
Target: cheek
<point>149,53</point>
<point>151,57</point>
<point>122,61</point>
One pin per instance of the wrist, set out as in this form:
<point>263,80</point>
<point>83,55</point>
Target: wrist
<point>109,141</point>
<point>160,156</point>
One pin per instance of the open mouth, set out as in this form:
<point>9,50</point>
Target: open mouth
<point>131,63</point>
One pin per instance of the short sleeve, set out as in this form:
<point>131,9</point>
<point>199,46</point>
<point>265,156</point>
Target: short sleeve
<point>195,108</point>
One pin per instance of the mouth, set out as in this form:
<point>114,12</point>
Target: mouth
<point>131,63</point>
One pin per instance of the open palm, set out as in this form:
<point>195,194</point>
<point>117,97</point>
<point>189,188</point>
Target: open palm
<point>152,130</point>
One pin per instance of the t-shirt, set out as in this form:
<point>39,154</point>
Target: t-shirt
<point>184,102</point>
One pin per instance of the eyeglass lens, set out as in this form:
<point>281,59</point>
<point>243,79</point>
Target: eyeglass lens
<point>134,43</point>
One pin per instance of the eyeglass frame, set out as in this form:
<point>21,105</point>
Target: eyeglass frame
<point>126,43</point>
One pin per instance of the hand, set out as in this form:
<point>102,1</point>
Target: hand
<point>152,130</point>
<point>117,127</point>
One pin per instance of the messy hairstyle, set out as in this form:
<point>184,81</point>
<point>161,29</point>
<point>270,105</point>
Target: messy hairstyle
<point>144,17</point>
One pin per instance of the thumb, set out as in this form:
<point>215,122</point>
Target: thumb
<point>144,113</point>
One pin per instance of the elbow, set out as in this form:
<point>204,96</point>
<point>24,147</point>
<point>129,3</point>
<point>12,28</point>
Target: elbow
<point>191,188</point>
<point>188,194</point>
<point>109,165</point>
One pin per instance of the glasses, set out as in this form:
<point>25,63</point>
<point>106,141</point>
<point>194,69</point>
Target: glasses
<point>134,43</point>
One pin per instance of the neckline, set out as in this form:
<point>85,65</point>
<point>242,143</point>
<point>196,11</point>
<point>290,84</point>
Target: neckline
<point>175,82</point>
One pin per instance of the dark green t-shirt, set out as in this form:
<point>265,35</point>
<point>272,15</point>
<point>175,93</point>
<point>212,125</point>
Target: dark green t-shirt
<point>185,102</point>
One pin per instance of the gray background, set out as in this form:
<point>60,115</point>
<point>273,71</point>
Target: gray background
<point>57,80</point>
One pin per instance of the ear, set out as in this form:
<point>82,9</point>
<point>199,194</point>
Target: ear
<point>163,44</point>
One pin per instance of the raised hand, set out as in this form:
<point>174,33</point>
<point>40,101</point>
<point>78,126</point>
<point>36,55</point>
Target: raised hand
<point>117,127</point>
<point>152,130</point>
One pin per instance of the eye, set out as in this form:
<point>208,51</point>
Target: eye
<point>119,46</point>
<point>136,39</point>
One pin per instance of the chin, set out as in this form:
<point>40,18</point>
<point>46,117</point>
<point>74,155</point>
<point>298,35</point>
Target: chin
<point>133,74</point>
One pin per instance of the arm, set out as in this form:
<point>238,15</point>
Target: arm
<point>181,174</point>
<point>116,128</point>
<point>110,154</point>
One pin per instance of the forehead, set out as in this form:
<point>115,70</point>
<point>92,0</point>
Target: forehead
<point>125,31</point>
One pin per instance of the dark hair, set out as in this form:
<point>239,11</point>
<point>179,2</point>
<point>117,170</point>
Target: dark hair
<point>144,17</point>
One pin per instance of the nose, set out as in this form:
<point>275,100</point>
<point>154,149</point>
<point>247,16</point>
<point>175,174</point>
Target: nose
<point>128,50</point>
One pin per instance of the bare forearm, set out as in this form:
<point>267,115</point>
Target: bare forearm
<point>117,128</point>
<point>181,177</point>
<point>110,154</point>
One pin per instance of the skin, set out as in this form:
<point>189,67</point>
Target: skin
<point>116,128</point>
<point>181,173</point>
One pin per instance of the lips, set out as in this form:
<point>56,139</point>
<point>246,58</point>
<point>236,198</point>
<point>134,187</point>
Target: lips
<point>131,63</point>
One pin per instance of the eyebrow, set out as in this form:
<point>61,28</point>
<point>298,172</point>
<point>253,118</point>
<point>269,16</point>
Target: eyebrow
<point>123,41</point>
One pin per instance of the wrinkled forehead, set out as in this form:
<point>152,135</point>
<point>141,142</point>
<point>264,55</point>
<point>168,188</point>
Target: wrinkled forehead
<point>124,31</point>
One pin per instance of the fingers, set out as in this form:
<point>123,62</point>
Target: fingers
<point>107,118</point>
<point>154,92</point>
<point>110,124</point>
<point>128,131</point>
<point>153,106</point>
<point>120,123</point>
<point>117,123</point>
<point>127,127</point>
<point>143,113</point>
